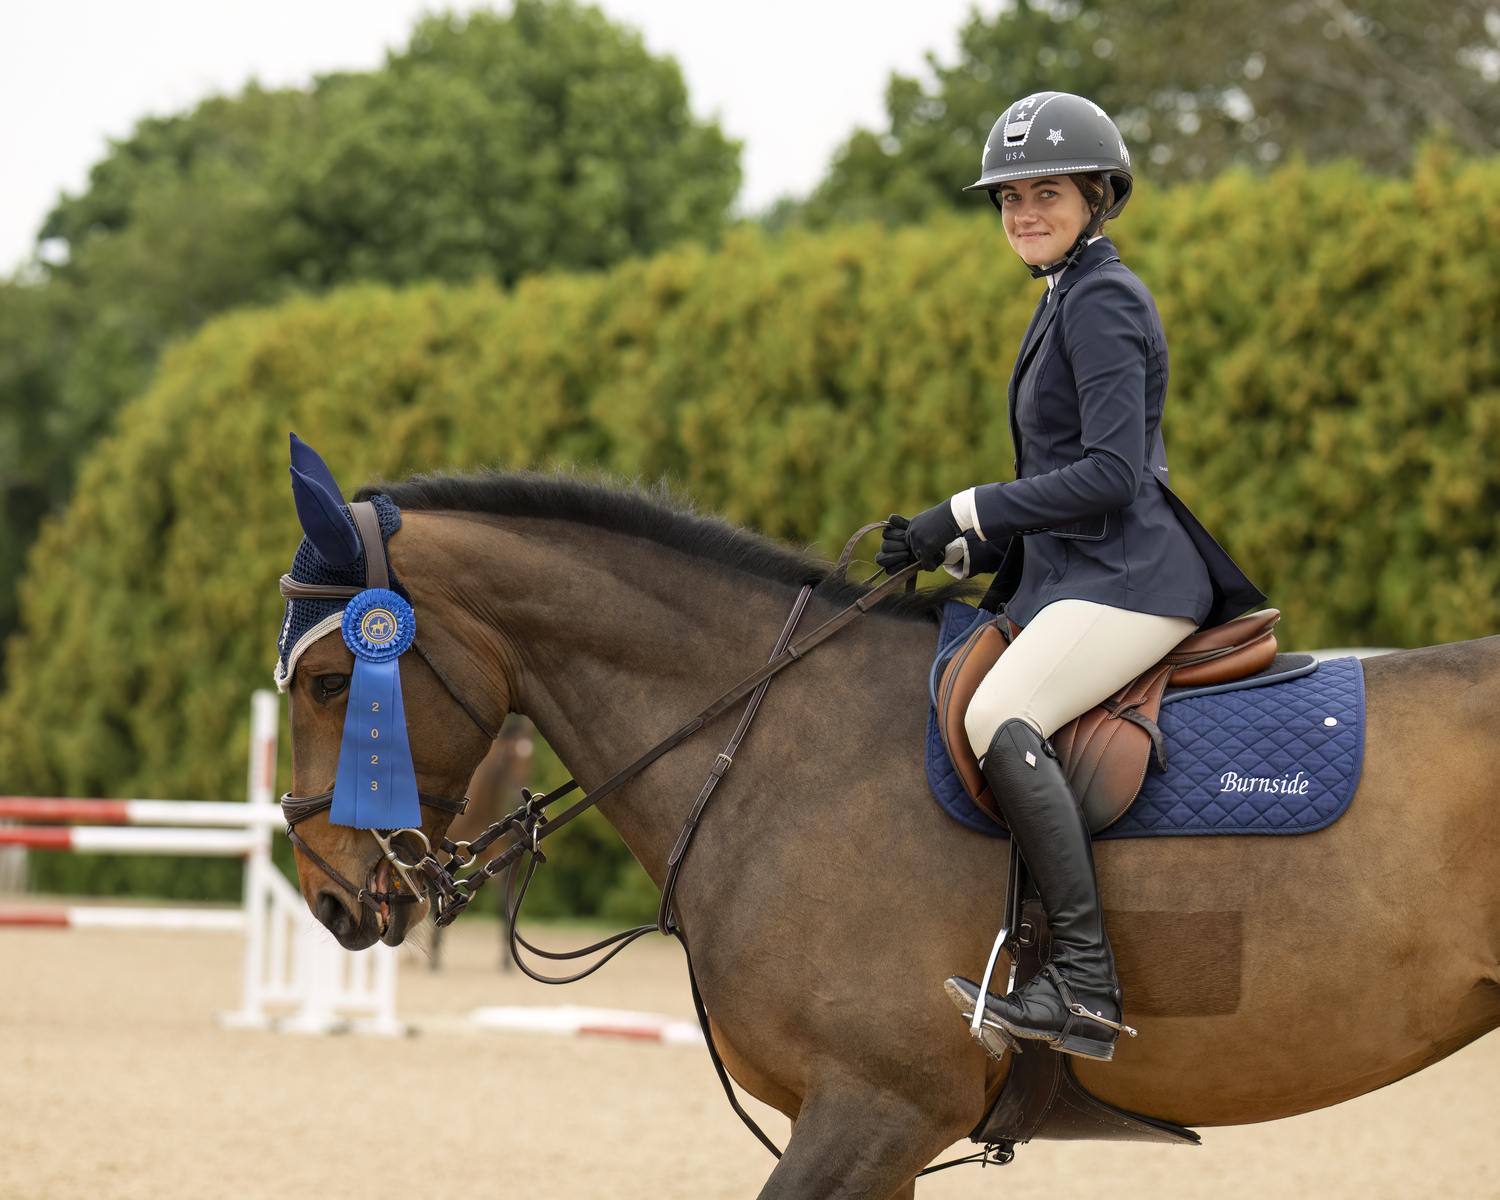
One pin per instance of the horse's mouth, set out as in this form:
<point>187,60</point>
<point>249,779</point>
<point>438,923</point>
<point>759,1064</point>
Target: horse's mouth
<point>380,885</point>
<point>393,921</point>
<point>353,925</point>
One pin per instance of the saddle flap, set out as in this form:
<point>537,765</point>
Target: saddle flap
<point>1105,752</point>
<point>961,679</point>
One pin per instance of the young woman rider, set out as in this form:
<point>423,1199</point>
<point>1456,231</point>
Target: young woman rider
<point>1107,569</point>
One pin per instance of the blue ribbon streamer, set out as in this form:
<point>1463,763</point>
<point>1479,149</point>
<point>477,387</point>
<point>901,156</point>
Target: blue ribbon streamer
<point>376,786</point>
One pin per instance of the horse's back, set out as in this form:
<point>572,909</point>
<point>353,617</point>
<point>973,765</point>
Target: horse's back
<point>1273,975</point>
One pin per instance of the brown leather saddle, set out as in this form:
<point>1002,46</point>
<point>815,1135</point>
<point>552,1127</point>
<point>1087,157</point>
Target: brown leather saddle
<point>1106,751</point>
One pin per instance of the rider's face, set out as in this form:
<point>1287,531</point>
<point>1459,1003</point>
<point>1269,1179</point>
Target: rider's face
<point>1043,217</point>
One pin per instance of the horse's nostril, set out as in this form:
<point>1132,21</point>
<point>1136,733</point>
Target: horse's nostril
<point>334,916</point>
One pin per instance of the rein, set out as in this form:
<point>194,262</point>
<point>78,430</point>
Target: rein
<point>532,824</point>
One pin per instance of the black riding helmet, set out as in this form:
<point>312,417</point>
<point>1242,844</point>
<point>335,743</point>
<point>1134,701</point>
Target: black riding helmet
<point>1056,133</point>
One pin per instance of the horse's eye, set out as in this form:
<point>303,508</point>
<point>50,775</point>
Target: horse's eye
<point>330,686</point>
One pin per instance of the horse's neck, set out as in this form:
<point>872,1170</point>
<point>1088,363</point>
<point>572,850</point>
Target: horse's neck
<point>612,643</point>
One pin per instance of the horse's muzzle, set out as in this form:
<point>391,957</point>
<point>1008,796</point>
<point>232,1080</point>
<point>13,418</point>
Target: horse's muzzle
<point>355,928</point>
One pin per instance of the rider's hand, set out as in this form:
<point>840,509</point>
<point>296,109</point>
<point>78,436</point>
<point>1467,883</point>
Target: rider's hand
<point>895,554</point>
<point>930,533</point>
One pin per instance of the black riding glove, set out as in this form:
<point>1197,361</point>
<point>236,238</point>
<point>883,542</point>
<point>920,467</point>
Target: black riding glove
<point>924,539</point>
<point>930,533</point>
<point>895,555</point>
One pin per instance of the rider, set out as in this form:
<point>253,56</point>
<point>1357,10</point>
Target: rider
<point>1105,568</point>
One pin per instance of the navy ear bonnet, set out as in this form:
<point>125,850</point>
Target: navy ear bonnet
<point>323,512</point>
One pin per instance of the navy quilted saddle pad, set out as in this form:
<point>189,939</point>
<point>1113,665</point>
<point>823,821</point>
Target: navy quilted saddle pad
<point>1280,758</point>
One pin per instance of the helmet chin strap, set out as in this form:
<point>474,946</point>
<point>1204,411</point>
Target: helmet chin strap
<point>1075,252</point>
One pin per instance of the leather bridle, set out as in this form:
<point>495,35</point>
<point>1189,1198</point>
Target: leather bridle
<point>297,809</point>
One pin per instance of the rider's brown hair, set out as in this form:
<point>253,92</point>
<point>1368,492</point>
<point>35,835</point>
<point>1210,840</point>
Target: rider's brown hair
<point>1092,187</point>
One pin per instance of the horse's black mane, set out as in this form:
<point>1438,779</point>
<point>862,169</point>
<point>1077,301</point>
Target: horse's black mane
<point>655,514</point>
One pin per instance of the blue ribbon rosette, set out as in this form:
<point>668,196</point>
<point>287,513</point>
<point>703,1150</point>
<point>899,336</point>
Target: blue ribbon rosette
<point>376,787</point>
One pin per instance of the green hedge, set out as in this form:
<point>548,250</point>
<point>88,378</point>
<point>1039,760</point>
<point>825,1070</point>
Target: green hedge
<point>1334,419</point>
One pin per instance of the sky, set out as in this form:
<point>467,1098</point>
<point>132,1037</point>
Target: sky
<point>790,78</point>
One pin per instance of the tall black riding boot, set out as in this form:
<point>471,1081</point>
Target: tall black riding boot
<point>1074,1002</point>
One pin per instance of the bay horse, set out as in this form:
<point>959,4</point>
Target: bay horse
<point>827,897</point>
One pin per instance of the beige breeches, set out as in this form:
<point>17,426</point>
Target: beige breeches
<point>1074,654</point>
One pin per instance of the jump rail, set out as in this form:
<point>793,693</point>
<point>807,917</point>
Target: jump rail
<point>290,960</point>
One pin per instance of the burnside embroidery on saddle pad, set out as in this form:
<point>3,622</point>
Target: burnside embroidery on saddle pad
<point>1280,759</point>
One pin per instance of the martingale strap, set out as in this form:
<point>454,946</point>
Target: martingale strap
<point>664,916</point>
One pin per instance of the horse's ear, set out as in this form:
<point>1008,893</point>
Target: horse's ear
<point>319,507</point>
<point>307,460</point>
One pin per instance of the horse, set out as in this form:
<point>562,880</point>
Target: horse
<point>827,897</point>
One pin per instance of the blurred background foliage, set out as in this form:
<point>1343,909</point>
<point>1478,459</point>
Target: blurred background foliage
<point>1194,85</point>
<point>514,244</point>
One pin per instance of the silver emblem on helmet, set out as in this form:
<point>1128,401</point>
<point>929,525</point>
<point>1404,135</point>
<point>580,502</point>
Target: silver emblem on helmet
<point>1015,133</point>
<point>1056,136</point>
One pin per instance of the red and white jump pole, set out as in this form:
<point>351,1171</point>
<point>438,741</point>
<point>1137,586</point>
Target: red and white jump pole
<point>82,917</point>
<point>290,960</point>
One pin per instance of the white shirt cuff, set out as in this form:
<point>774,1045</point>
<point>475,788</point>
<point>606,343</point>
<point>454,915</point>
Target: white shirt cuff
<point>962,506</point>
<point>956,560</point>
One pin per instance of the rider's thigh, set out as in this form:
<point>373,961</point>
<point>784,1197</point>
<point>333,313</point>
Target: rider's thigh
<point>1074,654</point>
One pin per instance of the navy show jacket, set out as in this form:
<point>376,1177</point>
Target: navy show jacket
<point>1095,517</point>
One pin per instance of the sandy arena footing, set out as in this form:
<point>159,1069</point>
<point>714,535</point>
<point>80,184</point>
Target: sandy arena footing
<point>116,1084</point>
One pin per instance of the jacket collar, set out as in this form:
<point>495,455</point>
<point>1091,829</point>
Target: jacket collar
<point>1094,256</point>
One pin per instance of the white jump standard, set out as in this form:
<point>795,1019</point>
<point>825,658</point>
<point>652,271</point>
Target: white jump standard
<point>290,960</point>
